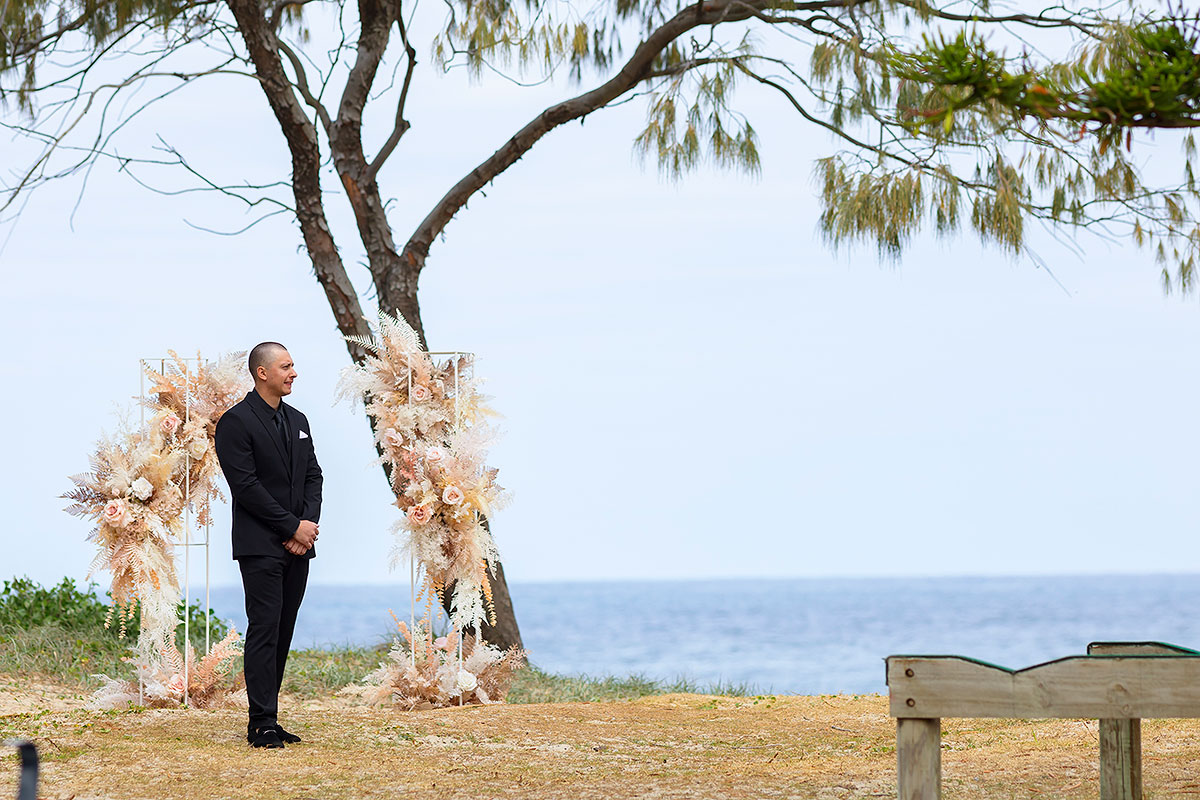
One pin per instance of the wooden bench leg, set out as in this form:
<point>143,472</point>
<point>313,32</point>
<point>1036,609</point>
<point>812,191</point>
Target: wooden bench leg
<point>919,759</point>
<point>1120,759</point>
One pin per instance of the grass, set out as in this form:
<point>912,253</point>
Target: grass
<point>59,632</point>
<point>73,658</point>
<point>532,685</point>
<point>312,673</point>
<point>679,746</point>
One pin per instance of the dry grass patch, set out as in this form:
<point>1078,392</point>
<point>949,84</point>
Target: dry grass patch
<point>672,746</point>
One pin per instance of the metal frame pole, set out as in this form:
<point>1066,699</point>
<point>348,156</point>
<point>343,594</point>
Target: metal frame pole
<point>187,534</point>
<point>142,409</point>
<point>187,543</point>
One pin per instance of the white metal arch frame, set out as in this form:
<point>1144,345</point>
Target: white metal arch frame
<point>187,544</point>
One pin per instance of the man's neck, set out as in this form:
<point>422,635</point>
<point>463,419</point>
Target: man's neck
<point>270,399</point>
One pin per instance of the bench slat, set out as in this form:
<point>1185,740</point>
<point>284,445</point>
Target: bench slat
<point>1080,687</point>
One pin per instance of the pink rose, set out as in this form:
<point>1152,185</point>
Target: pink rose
<point>392,438</point>
<point>419,515</point>
<point>441,643</point>
<point>175,685</point>
<point>421,393</point>
<point>434,454</point>
<point>453,495</point>
<point>170,424</point>
<point>116,514</point>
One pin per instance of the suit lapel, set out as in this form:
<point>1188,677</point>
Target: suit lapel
<point>272,434</point>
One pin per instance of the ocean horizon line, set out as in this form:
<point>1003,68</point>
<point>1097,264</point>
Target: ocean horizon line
<point>767,579</point>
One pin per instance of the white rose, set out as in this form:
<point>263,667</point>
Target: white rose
<point>466,681</point>
<point>434,454</point>
<point>452,495</point>
<point>197,446</point>
<point>392,438</point>
<point>421,393</point>
<point>142,489</point>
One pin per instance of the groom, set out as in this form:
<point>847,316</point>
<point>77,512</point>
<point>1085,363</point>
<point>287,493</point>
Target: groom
<point>266,452</point>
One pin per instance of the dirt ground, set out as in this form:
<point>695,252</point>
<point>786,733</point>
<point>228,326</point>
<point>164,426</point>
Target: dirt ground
<point>674,746</point>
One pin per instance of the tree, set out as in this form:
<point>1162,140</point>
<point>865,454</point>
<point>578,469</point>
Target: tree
<point>938,125</point>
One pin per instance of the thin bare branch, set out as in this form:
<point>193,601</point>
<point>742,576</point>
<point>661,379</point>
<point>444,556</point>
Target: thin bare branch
<point>401,125</point>
<point>301,84</point>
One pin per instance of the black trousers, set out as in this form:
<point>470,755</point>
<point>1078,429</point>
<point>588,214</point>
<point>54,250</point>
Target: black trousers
<point>274,587</point>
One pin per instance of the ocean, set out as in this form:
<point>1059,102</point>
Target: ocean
<point>794,636</point>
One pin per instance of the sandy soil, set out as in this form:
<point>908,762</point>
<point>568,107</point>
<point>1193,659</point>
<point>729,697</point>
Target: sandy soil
<point>675,746</point>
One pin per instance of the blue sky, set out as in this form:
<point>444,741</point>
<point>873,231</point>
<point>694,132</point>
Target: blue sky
<point>693,384</point>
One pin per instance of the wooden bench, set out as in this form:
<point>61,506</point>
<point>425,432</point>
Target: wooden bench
<point>1118,683</point>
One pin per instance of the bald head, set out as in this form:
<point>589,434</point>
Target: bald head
<point>263,354</point>
<point>273,371</point>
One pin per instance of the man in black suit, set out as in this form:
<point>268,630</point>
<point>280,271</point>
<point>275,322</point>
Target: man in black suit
<point>266,452</point>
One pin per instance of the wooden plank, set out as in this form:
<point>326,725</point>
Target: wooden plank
<point>1081,687</point>
<point>1138,649</point>
<point>919,759</point>
<point>1120,759</point>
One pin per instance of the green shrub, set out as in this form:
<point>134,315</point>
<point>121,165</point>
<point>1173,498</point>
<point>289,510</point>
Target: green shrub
<point>59,631</point>
<point>24,605</point>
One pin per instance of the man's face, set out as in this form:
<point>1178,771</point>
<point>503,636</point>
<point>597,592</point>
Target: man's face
<point>278,374</point>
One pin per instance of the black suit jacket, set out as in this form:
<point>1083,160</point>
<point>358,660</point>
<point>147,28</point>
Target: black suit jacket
<point>271,493</point>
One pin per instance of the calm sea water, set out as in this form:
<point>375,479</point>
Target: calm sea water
<point>787,636</point>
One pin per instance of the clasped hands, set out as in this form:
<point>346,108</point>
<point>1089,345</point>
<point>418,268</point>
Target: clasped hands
<point>303,539</point>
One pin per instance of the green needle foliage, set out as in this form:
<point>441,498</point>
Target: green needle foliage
<point>944,115</point>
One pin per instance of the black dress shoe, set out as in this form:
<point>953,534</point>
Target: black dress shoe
<point>290,738</point>
<point>265,737</point>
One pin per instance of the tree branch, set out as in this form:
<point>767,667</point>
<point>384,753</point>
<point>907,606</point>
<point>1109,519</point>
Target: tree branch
<point>375,22</point>
<point>301,136</point>
<point>634,71</point>
<point>401,125</point>
<point>1032,20</point>
<point>301,84</point>
<point>24,48</point>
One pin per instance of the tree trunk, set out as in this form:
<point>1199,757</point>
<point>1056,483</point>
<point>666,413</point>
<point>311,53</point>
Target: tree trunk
<point>396,285</point>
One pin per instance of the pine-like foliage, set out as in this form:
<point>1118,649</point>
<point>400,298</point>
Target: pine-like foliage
<point>429,420</point>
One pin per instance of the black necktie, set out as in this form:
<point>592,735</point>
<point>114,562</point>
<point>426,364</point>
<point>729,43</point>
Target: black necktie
<point>281,428</point>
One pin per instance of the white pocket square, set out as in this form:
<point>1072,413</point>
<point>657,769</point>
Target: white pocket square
<point>303,435</point>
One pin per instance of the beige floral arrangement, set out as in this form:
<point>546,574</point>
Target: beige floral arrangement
<point>161,682</point>
<point>430,423</point>
<point>136,493</point>
<point>425,672</point>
